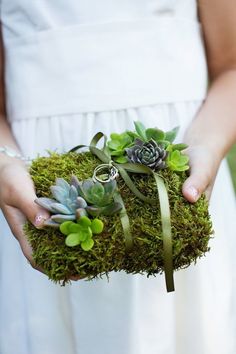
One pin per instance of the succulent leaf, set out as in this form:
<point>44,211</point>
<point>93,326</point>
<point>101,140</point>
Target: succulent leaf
<point>59,193</point>
<point>155,134</point>
<point>61,182</point>
<point>179,147</point>
<point>45,203</point>
<point>60,208</point>
<point>72,240</point>
<point>74,181</point>
<point>141,130</point>
<point>171,135</point>
<point>59,218</point>
<point>64,227</point>
<point>106,210</point>
<point>81,203</point>
<point>87,245</point>
<point>73,193</point>
<point>97,226</point>
<point>51,223</point>
<point>111,208</point>
<point>85,221</point>
<point>74,228</point>
<point>121,159</point>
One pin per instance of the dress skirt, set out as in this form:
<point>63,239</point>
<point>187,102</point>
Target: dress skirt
<point>130,314</point>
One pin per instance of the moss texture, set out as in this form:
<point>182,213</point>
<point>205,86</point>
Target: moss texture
<point>191,226</point>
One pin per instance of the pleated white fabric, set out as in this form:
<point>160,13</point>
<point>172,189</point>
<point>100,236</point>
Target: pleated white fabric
<point>129,314</point>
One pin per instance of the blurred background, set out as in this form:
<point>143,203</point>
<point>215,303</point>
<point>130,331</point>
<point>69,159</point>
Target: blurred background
<point>232,164</point>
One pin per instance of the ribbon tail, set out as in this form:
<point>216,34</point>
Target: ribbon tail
<point>125,223</point>
<point>166,231</point>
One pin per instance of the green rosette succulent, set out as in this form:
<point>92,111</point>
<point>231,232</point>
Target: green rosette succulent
<point>81,233</point>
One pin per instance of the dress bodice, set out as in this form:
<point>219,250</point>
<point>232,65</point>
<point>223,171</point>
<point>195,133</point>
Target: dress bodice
<point>68,56</point>
<point>25,17</point>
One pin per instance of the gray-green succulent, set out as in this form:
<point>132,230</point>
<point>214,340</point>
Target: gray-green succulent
<point>148,153</point>
<point>67,204</point>
<point>100,196</point>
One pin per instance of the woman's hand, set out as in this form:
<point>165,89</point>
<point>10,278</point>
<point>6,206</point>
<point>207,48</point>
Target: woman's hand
<point>204,164</point>
<point>17,197</point>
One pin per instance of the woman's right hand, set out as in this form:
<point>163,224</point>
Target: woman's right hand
<point>17,195</point>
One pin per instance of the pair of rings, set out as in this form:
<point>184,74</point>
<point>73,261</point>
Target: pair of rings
<point>105,173</point>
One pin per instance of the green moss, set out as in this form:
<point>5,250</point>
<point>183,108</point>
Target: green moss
<point>191,226</point>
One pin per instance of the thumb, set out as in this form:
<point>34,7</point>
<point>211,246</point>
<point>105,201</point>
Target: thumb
<point>194,186</point>
<point>33,212</point>
<point>199,179</point>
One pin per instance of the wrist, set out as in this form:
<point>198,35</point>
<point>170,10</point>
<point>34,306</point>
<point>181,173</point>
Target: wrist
<point>6,160</point>
<point>9,156</point>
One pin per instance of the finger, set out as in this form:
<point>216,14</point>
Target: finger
<point>25,201</point>
<point>198,182</point>
<point>16,221</point>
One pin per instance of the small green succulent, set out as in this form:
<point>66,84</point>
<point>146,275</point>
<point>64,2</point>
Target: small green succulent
<point>118,144</point>
<point>177,161</point>
<point>99,197</point>
<point>81,233</point>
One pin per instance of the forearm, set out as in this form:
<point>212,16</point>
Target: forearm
<point>215,125</point>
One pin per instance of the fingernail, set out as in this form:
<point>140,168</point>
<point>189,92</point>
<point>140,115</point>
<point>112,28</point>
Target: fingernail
<point>39,220</point>
<point>193,192</point>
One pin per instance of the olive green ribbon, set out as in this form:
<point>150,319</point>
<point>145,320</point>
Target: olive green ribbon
<point>125,223</point>
<point>123,169</point>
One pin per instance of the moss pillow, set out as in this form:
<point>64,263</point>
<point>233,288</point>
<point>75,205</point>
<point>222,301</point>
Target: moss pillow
<point>109,211</point>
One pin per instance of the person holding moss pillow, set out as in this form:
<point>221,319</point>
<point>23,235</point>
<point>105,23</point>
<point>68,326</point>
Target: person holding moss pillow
<point>70,69</point>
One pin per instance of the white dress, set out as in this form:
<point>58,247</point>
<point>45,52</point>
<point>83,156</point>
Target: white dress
<point>76,67</point>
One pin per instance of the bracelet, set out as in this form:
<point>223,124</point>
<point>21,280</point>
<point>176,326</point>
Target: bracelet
<point>12,153</point>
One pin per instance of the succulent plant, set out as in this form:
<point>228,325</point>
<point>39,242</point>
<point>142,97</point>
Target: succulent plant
<point>148,153</point>
<point>77,199</point>
<point>67,204</point>
<point>81,233</point>
<point>99,197</point>
<point>117,145</point>
<point>177,161</point>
